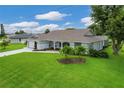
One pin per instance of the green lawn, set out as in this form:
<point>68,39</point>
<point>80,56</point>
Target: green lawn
<point>12,47</point>
<point>43,70</point>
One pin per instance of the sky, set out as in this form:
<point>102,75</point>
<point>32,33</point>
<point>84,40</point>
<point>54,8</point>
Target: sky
<point>36,19</point>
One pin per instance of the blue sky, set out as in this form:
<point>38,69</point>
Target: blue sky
<point>41,17</point>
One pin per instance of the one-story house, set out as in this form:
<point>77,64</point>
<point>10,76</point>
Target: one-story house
<point>19,38</point>
<point>59,38</point>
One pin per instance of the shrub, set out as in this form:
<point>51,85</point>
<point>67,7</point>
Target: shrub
<point>95,53</point>
<point>57,49</point>
<point>4,43</point>
<point>79,50</point>
<point>104,54</point>
<point>67,51</point>
<point>51,48</point>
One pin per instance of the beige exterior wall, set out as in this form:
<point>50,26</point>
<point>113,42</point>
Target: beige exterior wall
<point>45,44</point>
<point>72,44</point>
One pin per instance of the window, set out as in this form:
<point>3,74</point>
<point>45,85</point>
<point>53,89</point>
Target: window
<point>77,44</point>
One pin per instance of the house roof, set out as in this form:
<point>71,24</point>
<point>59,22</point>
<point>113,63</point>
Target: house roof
<point>22,36</point>
<point>84,36</point>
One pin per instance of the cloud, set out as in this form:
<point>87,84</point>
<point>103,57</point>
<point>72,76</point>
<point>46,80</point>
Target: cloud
<point>52,15</point>
<point>10,28</point>
<point>87,21</point>
<point>47,26</point>
<point>25,24</point>
<point>67,23</point>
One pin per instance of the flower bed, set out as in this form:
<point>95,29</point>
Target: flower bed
<point>72,60</point>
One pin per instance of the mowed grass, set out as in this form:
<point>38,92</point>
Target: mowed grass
<point>40,70</point>
<point>12,47</point>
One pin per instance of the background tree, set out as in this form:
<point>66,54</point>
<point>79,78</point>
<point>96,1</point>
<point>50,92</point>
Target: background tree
<point>47,31</point>
<point>16,32</point>
<point>20,32</point>
<point>2,33</point>
<point>109,20</point>
<point>70,29</point>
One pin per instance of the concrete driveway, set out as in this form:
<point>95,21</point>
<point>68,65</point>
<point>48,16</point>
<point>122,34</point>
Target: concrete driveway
<point>7,53</point>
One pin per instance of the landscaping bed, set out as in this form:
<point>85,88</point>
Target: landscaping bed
<point>72,60</point>
<point>46,49</point>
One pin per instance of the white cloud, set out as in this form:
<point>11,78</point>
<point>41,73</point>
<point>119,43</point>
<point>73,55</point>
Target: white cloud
<point>47,26</point>
<point>52,15</point>
<point>87,21</point>
<point>10,28</point>
<point>67,23</point>
<point>25,24</point>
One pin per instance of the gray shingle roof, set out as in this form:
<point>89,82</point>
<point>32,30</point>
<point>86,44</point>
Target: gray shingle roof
<point>84,36</point>
<point>22,36</point>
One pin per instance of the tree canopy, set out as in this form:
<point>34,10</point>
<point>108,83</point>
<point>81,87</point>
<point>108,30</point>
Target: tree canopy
<point>109,20</point>
<point>20,32</point>
<point>47,31</point>
<point>70,28</point>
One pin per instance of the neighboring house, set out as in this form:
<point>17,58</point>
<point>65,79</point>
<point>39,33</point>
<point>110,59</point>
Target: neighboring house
<point>58,39</point>
<point>19,38</point>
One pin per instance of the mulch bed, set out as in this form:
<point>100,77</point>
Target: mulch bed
<point>72,60</point>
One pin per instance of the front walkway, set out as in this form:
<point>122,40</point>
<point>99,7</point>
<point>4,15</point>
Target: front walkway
<point>7,53</point>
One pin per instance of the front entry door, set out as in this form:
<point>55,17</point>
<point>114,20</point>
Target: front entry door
<point>35,45</point>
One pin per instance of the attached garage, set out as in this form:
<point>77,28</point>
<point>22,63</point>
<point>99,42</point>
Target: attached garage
<point>38,44</point>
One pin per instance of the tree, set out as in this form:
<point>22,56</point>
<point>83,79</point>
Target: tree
<point>20,32</point>
<point>2,34</point>
<point>95,29</point>
<point>47,31</point>
<point>16,32</point>
<point>70,29</point>
<point>4,43</point>
<point>109,20</point>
